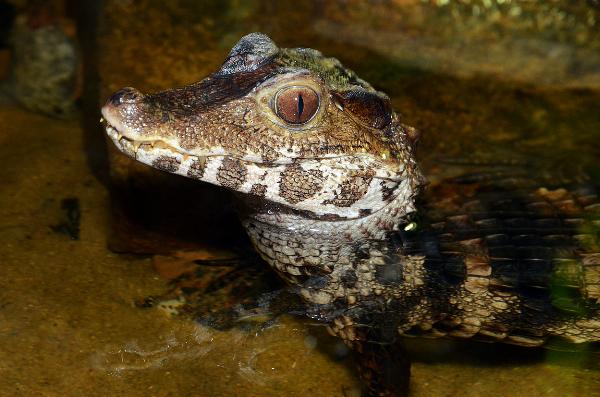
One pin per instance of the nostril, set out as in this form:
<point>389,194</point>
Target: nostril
<point>115,99</point>
<point>124,95</point>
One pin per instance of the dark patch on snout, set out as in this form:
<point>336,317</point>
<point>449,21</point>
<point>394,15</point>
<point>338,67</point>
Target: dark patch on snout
<point>297,184</point>
<point>232,173</point>
<point>166,163</point>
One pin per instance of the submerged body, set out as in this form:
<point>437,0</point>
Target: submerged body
<point>330,186</point>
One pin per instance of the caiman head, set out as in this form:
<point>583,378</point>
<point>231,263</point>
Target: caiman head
<point>302,138</point>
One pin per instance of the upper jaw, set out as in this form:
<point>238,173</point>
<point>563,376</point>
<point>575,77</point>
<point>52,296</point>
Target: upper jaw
<point>148,146</point>
<point>133,143</point>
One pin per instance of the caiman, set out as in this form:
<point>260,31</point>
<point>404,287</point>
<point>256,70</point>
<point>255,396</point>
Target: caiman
<point>330,189</point>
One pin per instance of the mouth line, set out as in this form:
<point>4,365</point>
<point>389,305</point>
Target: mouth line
<point>132,146</point>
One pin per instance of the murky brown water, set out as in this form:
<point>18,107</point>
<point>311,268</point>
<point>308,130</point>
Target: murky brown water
<point>68,323</point>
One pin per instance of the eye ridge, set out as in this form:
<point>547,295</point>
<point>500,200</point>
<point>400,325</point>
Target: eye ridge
<point>296,105</point>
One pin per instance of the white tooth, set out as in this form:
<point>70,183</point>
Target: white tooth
<point>119,135</point>
<point>101,119</point>
<point>136,145</point>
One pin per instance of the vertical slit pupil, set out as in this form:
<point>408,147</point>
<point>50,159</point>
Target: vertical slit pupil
<point>300,106</point>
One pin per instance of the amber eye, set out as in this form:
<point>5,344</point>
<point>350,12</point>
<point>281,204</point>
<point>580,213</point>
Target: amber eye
<point>296,105</point>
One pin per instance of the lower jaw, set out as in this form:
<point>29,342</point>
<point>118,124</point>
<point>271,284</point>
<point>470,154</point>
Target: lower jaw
<point>132,147</point>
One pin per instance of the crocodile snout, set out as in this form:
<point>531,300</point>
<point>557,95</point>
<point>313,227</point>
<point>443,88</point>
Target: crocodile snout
<point>124,111</point>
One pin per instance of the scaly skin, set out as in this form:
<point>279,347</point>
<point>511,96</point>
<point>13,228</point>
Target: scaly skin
<point>330,204</point>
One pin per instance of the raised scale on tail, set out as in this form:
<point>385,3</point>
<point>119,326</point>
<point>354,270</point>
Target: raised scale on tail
<point>327,176</point>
